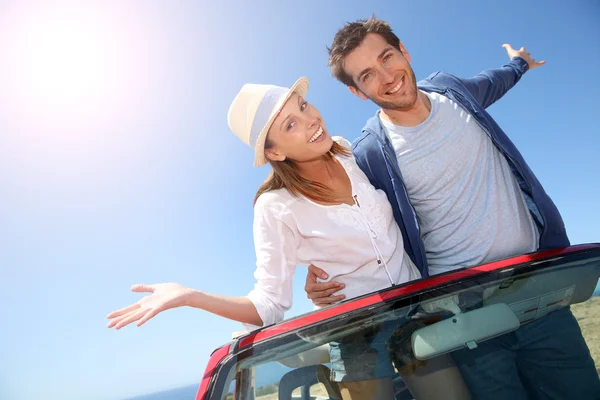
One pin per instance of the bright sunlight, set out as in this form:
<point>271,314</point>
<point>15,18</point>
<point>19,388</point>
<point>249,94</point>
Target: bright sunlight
<point>61,58</point>
<point>74,80</point>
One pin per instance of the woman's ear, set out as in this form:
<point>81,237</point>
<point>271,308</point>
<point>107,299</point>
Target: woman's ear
<point>273,155</point>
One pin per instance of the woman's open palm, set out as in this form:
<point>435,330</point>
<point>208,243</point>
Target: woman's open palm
<point>164,297</point>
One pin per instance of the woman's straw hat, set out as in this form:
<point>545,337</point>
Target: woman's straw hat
<point>255,108</point>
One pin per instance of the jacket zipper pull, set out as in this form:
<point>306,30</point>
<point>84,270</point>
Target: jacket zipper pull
<point>355,197</point>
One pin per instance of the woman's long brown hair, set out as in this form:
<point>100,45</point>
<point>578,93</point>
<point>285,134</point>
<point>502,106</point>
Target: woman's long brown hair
<point>285,176</point>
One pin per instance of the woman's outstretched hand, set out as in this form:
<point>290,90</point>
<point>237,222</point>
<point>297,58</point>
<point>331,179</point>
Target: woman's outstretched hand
<point>164,297</point>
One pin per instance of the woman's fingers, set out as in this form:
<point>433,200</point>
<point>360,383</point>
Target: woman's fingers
<point>142,288</point>
<point>149,314</point>
<point>123,311</point>
<point>135,288</point>
<point>164,296</point>
<point>131,317</point>
<point>117,320</point>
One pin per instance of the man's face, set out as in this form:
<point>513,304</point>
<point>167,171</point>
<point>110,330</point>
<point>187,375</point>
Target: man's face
<point>382,74</point>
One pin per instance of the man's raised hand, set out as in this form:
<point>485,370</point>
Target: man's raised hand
<point>524,55</point>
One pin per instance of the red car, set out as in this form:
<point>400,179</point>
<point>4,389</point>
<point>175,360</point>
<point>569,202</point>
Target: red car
<point>441,314</point>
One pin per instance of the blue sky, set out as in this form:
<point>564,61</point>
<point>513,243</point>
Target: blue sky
<point>117,166</point>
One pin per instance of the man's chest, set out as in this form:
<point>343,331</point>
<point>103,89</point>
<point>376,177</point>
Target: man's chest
<point>436,159</point>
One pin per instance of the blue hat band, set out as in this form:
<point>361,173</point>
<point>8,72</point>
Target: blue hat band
<point>263,112</point>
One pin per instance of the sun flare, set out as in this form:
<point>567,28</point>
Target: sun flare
<point>64,62</point>
<point>62,59</point>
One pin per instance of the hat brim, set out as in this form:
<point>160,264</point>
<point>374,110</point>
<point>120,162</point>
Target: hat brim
<point>300,87</point>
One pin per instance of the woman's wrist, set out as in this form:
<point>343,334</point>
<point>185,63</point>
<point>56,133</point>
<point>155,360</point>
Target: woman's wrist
<point>194,298</point>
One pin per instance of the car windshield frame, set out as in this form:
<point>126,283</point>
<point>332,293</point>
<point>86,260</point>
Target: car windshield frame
<point>224,358</point>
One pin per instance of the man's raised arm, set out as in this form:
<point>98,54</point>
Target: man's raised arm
<point>490,85</point>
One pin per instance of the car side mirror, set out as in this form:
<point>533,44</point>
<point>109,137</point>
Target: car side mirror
<point>463,330</point>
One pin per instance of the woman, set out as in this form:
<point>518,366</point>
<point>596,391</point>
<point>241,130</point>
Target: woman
<point>315,207</point>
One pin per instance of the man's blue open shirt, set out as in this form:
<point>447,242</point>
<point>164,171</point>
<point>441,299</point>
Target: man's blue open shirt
<point>376,157</point>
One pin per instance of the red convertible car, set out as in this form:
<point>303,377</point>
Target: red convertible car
<point>435,317</point>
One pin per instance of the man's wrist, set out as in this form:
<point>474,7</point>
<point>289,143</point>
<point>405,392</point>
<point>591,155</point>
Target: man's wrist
<point>521,63</point>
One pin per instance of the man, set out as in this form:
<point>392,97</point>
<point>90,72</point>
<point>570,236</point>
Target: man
<point>462,195</point>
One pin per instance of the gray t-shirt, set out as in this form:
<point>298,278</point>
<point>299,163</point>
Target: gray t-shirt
<point>469,206</point>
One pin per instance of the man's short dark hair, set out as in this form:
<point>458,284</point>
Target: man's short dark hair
<point>348,38</point>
